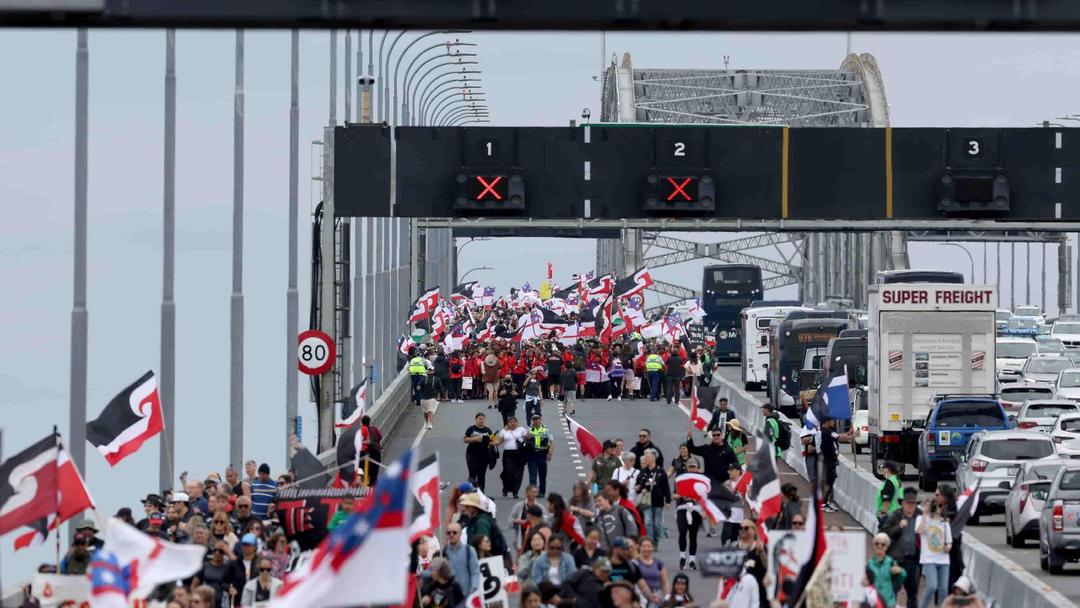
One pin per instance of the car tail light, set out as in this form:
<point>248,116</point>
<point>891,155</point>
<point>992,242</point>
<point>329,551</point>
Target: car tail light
<point>1025,491</point>
<point>931,448</point>
<point>1027,424</point>
<point>1059,518</point>
<point>866,429</point>
<point>978,465</point>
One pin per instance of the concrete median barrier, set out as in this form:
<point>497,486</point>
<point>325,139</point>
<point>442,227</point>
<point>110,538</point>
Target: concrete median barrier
<point>386,413</point>
<point>994,575</point>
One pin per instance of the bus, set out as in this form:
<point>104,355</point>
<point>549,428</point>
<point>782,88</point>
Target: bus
<point>885,277</point>
<point>726,290</point>
<point>756,334</point>
<point>788,344</point>
<point>849,351</point>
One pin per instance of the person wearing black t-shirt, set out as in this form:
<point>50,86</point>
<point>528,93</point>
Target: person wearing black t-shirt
<point>441,590</point>
<point>478,450</point>
<point>554,372</point>
<point>830,458</point>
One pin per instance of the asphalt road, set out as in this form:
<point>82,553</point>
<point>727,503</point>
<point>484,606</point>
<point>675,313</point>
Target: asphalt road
<point>990,530</point>
<point>605,419</point>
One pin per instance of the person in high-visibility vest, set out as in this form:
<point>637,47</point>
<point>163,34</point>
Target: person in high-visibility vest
<point>542,447</point>
<point>890,493</point>
<point>417,371</point>
<point>654,367</point>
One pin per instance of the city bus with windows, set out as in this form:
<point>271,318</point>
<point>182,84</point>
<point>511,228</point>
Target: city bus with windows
<point>726,290</point>
<point>756,337</point>
<point>789,342</point>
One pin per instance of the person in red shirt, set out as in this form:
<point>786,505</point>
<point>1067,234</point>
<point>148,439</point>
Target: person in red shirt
<point>457,370</point>
<point>520,369</point>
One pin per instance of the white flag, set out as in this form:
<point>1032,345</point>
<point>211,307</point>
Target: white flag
<point>156,561</point>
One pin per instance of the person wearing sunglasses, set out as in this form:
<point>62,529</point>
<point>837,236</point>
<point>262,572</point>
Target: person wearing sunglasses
<point>888,575</point>
<point>261,588</point>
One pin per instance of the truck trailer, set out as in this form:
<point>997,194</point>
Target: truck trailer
<point>924,340</point>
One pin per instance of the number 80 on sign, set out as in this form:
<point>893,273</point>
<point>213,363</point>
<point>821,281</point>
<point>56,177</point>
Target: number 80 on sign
<point>314,352</point>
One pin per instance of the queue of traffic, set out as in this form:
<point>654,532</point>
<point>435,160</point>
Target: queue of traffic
<point>924,394</point>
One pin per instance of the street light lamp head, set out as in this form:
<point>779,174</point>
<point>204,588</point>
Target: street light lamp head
<point>586,114</point>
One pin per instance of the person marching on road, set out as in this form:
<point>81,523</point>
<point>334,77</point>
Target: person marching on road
<point>511,437</point>
<point>533,396</point>
<point>654,369</point>
<point>900,526</point>
<point>428,391</point>
<point>508,394</point>
<point>569,391</point>
<point>478,451</point>
<point>417,370</point>
<point>721,416</point>
<point>543,447</point>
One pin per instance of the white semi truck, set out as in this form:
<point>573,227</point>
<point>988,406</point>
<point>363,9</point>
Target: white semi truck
<point>925,340</point>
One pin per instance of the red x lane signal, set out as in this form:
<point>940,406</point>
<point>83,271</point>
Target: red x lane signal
<point>678,189</point>
<point>489,189</point>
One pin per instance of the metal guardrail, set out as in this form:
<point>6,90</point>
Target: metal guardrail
<point>386,413</point>
<point>994,575</point>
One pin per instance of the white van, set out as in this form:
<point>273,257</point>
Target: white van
<point>756,336</point>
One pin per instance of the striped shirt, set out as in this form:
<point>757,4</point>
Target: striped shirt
<point>262,492</point>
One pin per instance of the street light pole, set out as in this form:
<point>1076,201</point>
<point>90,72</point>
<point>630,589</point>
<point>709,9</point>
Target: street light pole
<point>429,94</point>
<point>405,51</point>
<point>970,258</point>
<point>471,270</point>
<point>407,90</point>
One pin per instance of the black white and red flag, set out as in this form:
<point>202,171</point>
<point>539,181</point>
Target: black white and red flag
<point>424,304</point>
<point>28,485</point>
<point>352,409</point>
<point>697,487</point>
<point>763,493</point>
<point>814,551</point>
<point>966,504</point>
<point>424,486</point>
<point>72,499</point>
<point>633,284</point>
<point>128,420</point>
<point>463,292</point>
<point>600,287</point>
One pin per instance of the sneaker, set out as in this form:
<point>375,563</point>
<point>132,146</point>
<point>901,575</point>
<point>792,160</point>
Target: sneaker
<point>682,563</point>
<point>620,398</point>
<point>429,426</point>
<point>693,564</point>
<point>609,397</point>
<point>710,533</point>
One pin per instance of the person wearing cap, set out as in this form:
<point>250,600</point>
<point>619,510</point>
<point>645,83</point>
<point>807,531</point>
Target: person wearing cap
<point>152,504</point>
<point>154,523</point>
<point>586,585</point>
<point>623,568</point>
<point>887,574</point>
<point>542,446</point>
<point>179,502</point>
<point>738,441</point>
<point>77,558</point>
<point>508,394</point>
<point>603,467</point>
<point>263,491</point>
<point>963,595</point>
<point>888,495</point>
<point>247,560</point>
<point>90,531</point>
<point>904,549</point>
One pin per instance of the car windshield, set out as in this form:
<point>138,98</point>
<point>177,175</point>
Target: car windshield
<point>1027,311</point>
<point>1015,350</point>
<point>1045,472</point>
<point>969,413</point>
<point>1071,425</point>
<point>1050,345</point>
<point>1070,480</point>
<point>1066,328</point>
<point>1002,315</point>
<point>1023,323</point>
<point>1070,380</point>
<point>1023,394</point>
<point>1049,410</point>
<point>1017,449</point>
<point>1045,366</point>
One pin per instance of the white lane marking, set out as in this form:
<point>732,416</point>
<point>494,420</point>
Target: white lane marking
<point>579,467</point>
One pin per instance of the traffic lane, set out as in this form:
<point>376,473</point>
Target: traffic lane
<point>991,528</point>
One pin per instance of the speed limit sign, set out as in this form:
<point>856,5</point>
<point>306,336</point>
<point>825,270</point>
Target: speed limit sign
<point>314,352</point>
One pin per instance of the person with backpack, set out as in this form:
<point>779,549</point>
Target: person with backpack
<point>778,433</point>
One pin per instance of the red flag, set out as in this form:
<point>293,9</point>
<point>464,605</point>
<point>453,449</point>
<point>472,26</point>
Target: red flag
<point>72,499</point>
<point>629,506</point>
<point>696,486</point>
<point>28,485</point>
<point>587,442</point>
<point>743,484</point>
<point>571,526</point>
<point>700,418</point>
<point>128,420</point>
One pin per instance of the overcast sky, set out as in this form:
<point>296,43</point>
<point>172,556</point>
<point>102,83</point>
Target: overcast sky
<point>530,79</point>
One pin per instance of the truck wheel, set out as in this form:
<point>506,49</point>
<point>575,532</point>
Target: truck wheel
<point>927,481</point>
<point>1044,563</point>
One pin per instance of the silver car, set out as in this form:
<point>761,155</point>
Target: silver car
<point>1059,526</point>
<point>1027,497</point>
<point>1045,368</point>
<point>1068,384</point>
<point>1014,394</point>
<point>1046,344</point>
<point>1066,433</point>
<point>993,457</point>
<point>1041,414</point>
